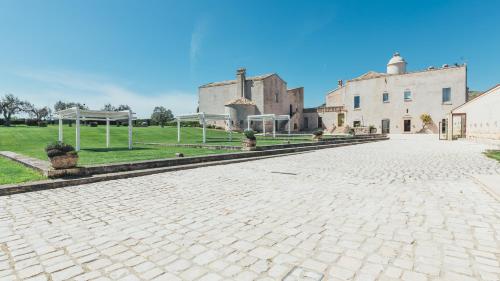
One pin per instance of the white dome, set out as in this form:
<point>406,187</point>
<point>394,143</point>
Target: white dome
<point>396,65</point>
<point>396,58</point>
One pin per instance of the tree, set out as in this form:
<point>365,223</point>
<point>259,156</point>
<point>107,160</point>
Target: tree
<point>10,105</point>
<point>109,107</point>
<point>38,113</point>
<point>60,105</point>
<point>123,107</point>
<point>426,120</point>
<point>161,115</point>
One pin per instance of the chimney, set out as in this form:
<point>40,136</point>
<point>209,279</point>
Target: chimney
<point>340,83</point>
<point>240,80</point>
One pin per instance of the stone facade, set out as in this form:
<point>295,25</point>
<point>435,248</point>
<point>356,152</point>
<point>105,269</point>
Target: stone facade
<point>264,94</point>
<point>481,117</point>
<point>395,99</point>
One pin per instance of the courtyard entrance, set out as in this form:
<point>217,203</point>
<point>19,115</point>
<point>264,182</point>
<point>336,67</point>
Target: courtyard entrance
<point>407,126</point>
<point>340,119</point>
<point>386,125</point>
<point>459,122</point>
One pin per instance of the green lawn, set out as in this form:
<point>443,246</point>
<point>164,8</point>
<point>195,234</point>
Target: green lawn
<point>12,172</point>
<point>494,154</point>
<point>32,140</point>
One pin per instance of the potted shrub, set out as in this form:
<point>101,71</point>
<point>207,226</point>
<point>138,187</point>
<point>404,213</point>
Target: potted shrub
<point>250,141</point>
<point>317,134</point>
<point>61,155</point>
<point>372,129</point>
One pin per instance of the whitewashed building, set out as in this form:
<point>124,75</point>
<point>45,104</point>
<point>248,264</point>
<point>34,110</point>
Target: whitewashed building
<point>478,119</point>
<point>392,101</point>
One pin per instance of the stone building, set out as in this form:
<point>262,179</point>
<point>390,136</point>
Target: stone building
<point>392,101</point>
<point>243,96</point>
<point>478,119</point>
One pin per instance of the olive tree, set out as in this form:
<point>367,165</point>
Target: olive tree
<point>10,105</point>
<point>161,115</point>
<point>426,120</point>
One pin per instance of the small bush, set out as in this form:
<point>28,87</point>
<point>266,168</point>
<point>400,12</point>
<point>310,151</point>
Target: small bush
<point>59,149</point>
<point>93,124</point>
<point>318,132</point>
<point>250,134</point>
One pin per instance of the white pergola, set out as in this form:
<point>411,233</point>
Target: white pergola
<point>269,117</point>
<point>78,114</point>
<point>202,118</point>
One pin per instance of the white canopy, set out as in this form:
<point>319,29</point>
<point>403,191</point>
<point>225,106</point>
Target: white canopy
<point>269,117</point>
<point>202,117</point>
<point>78,114</point>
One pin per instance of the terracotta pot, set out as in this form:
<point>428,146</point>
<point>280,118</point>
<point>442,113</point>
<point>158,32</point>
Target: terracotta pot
<point>373,130</point>
<point>249,144</point>
<point>64,161</point>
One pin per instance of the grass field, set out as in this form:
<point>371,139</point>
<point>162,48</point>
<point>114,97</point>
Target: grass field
<point>31,141</point>
<point>12,172</point>
<point>494,154</point>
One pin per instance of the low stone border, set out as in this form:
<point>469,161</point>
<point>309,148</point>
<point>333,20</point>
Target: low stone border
<point>128,170</point>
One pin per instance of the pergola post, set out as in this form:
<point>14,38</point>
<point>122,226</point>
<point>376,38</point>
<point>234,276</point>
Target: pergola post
<point>107,132</point>
<point>264,127</point>
<point>230,129</point>
<point>178,130</point>
<point>130,129</point>
<point>274,128</point>
<point>248,123</point>
<point>77,138</point>
<point>204,128</point>
<point>289,125</point>
<point>60,129</point>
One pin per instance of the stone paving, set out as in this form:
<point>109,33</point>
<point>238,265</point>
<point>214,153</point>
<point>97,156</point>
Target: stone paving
<point>403,209</point>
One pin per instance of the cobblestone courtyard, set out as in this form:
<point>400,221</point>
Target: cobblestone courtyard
<point>403,209</point>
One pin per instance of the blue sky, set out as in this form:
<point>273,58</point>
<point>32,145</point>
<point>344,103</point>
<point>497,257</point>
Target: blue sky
<point>152,52</point>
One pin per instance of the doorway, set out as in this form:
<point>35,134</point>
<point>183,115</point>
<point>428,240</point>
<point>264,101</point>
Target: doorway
<point>407,126</point>
<point>386,126</point>
<point>320,122</point>
<point>340,119</point>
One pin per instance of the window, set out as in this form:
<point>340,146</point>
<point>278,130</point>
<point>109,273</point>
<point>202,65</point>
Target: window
<point>356,124</point>
<point>407,95</point>
<point>446,95</point>
<point>320,122</point>
<point>276,96</point>
<point>385,97</point>
<point>357,100</point>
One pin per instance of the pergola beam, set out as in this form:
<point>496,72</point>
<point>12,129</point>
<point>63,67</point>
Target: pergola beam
<point>269,117</point>
<point>202,118</point>
<point>79,115</point>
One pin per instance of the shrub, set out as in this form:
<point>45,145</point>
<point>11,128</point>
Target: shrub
<point>42,124</point>
<point>318,132</point>
<point>249,134</point>
<point>59,149</point>
<point>93,124</point>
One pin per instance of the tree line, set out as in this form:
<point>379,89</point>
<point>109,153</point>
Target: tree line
<point>11,105</point>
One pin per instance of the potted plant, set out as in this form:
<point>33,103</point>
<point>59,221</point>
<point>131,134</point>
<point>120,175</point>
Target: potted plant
<point>317,134</point>
<point>250,141</point>
<point>372,129</point>
<point>61,155</point>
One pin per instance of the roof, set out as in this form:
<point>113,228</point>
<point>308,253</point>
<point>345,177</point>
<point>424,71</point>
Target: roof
<point>369,75</point>
<point>74,112</point>
<point>487,92</point>
<point>227,82</point>
<point>241,101</point>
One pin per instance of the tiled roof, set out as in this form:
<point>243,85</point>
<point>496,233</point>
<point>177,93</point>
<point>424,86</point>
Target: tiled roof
<point>226,82</point>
